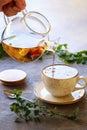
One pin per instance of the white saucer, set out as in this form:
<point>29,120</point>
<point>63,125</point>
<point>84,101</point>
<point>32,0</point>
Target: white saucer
<point>12,77</point>
<point>41,92</point>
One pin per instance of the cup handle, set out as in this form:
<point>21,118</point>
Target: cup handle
<point>79,86</point>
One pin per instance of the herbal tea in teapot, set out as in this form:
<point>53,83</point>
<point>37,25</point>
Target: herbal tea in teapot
<point>24,54</point>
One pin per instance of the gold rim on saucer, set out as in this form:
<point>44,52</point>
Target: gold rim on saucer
<point>41,92</point>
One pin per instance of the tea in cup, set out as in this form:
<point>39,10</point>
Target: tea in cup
<point>61,80</point>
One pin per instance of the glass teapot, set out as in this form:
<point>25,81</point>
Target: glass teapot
<point>26,38</point>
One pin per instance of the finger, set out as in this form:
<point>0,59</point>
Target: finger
<point>13,8</point>
<point>16,9</point>
<point>8,10</point>
<point>9,13</point>
<point>20,4</point>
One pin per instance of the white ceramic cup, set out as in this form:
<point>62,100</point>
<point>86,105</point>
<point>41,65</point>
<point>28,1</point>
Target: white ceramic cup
<point>60,80</point>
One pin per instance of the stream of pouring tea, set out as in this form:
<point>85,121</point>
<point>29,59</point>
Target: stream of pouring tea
<point>55,44</point>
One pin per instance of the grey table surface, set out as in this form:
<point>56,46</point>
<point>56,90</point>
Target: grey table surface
<point>33,70</point>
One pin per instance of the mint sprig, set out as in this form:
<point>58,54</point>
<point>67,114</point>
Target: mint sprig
<point>33,111</point>
<point>68,57</point>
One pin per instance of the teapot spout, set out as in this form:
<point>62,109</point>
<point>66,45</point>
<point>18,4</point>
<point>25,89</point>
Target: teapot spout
<point>48,45</point>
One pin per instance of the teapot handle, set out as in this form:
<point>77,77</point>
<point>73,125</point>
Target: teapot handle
<point>7,19</point>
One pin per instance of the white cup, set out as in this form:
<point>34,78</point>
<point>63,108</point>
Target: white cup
<point>60,80</point>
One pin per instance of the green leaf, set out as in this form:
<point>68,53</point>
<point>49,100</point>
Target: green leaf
<point>60,46</point>
<point>61,53</point>
<point>79,57</point>
<point>32,111</point>
<point>2,52</point>
<point>17,92</point>
<point>36,112</point>
<point>74,114</point>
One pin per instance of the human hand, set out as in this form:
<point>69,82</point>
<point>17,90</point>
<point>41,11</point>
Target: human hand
<point>12,7</point>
